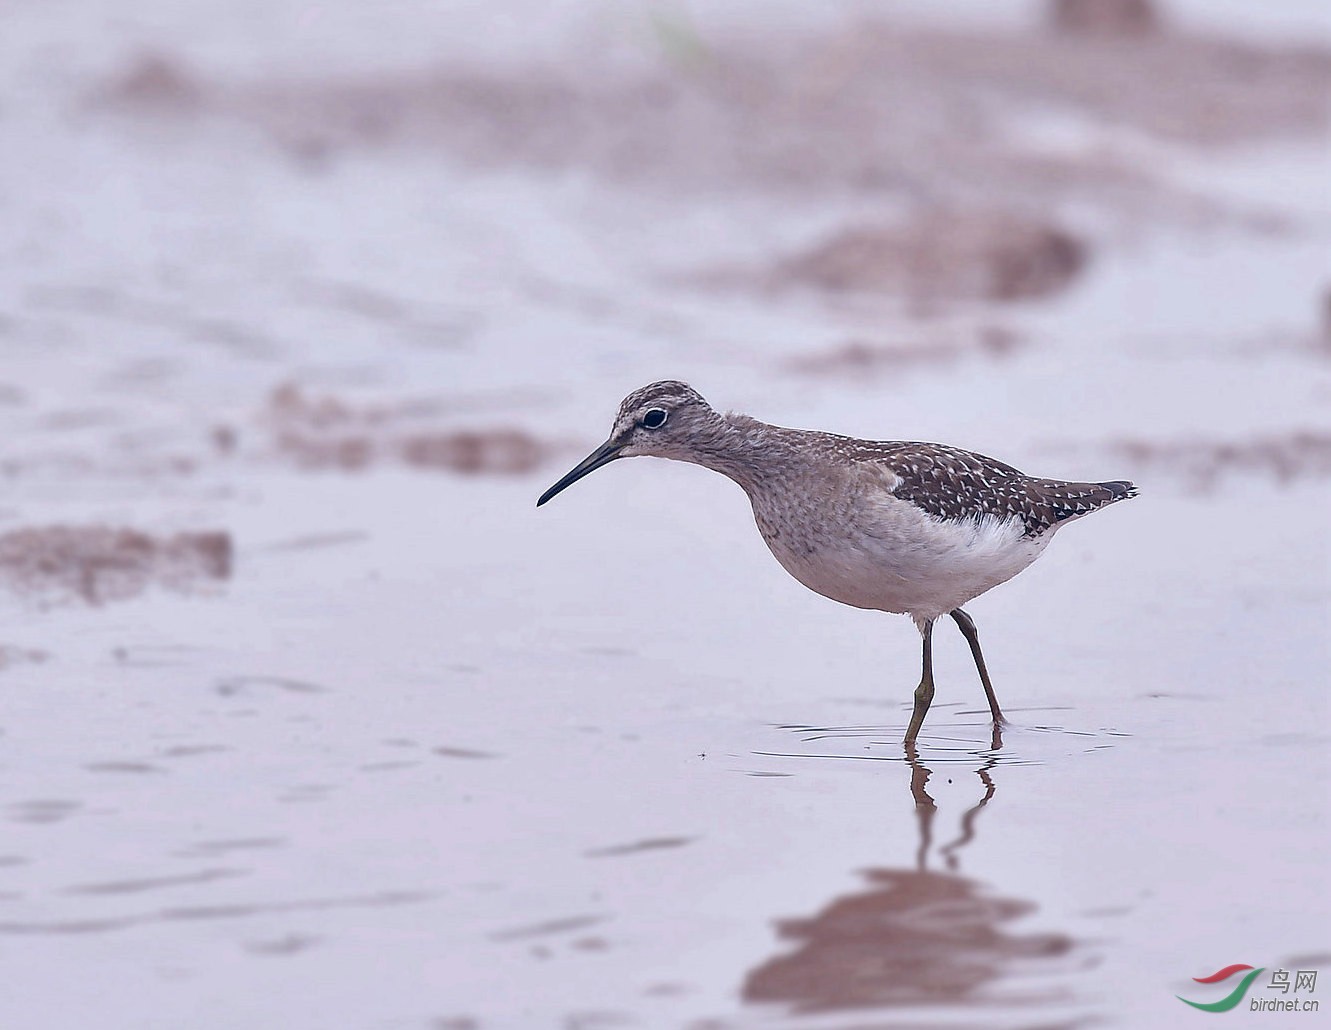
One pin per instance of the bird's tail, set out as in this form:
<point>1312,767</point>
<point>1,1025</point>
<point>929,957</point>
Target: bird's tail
<point>1073,500</point>
<point>1120,488</point>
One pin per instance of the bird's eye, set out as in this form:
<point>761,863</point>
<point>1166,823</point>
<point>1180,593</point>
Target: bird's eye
<point>654,418</point>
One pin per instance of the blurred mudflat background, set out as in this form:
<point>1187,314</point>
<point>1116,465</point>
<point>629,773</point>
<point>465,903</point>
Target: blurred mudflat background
<point>308,718</point>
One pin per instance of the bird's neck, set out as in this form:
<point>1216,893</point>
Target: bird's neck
<point>748,451</point>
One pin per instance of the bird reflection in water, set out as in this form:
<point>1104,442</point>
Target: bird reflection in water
<point>917,937</point>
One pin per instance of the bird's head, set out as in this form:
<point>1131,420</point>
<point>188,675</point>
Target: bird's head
<point>668,419</point>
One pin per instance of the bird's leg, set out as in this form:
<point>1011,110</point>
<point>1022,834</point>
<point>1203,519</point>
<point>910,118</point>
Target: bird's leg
<point>924,693</point>
<point>968,631</point>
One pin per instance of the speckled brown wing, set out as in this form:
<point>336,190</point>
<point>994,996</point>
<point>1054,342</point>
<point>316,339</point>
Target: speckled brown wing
<point>950,483</point>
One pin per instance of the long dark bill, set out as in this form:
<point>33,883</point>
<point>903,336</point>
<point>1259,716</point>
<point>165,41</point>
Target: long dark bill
<point>603,455</point>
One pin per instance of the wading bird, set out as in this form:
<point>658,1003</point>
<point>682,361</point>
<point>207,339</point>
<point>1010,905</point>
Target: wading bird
<point>913,528</point>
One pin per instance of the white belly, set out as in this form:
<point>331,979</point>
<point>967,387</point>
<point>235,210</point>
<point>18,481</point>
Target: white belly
<point>894,558</point>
